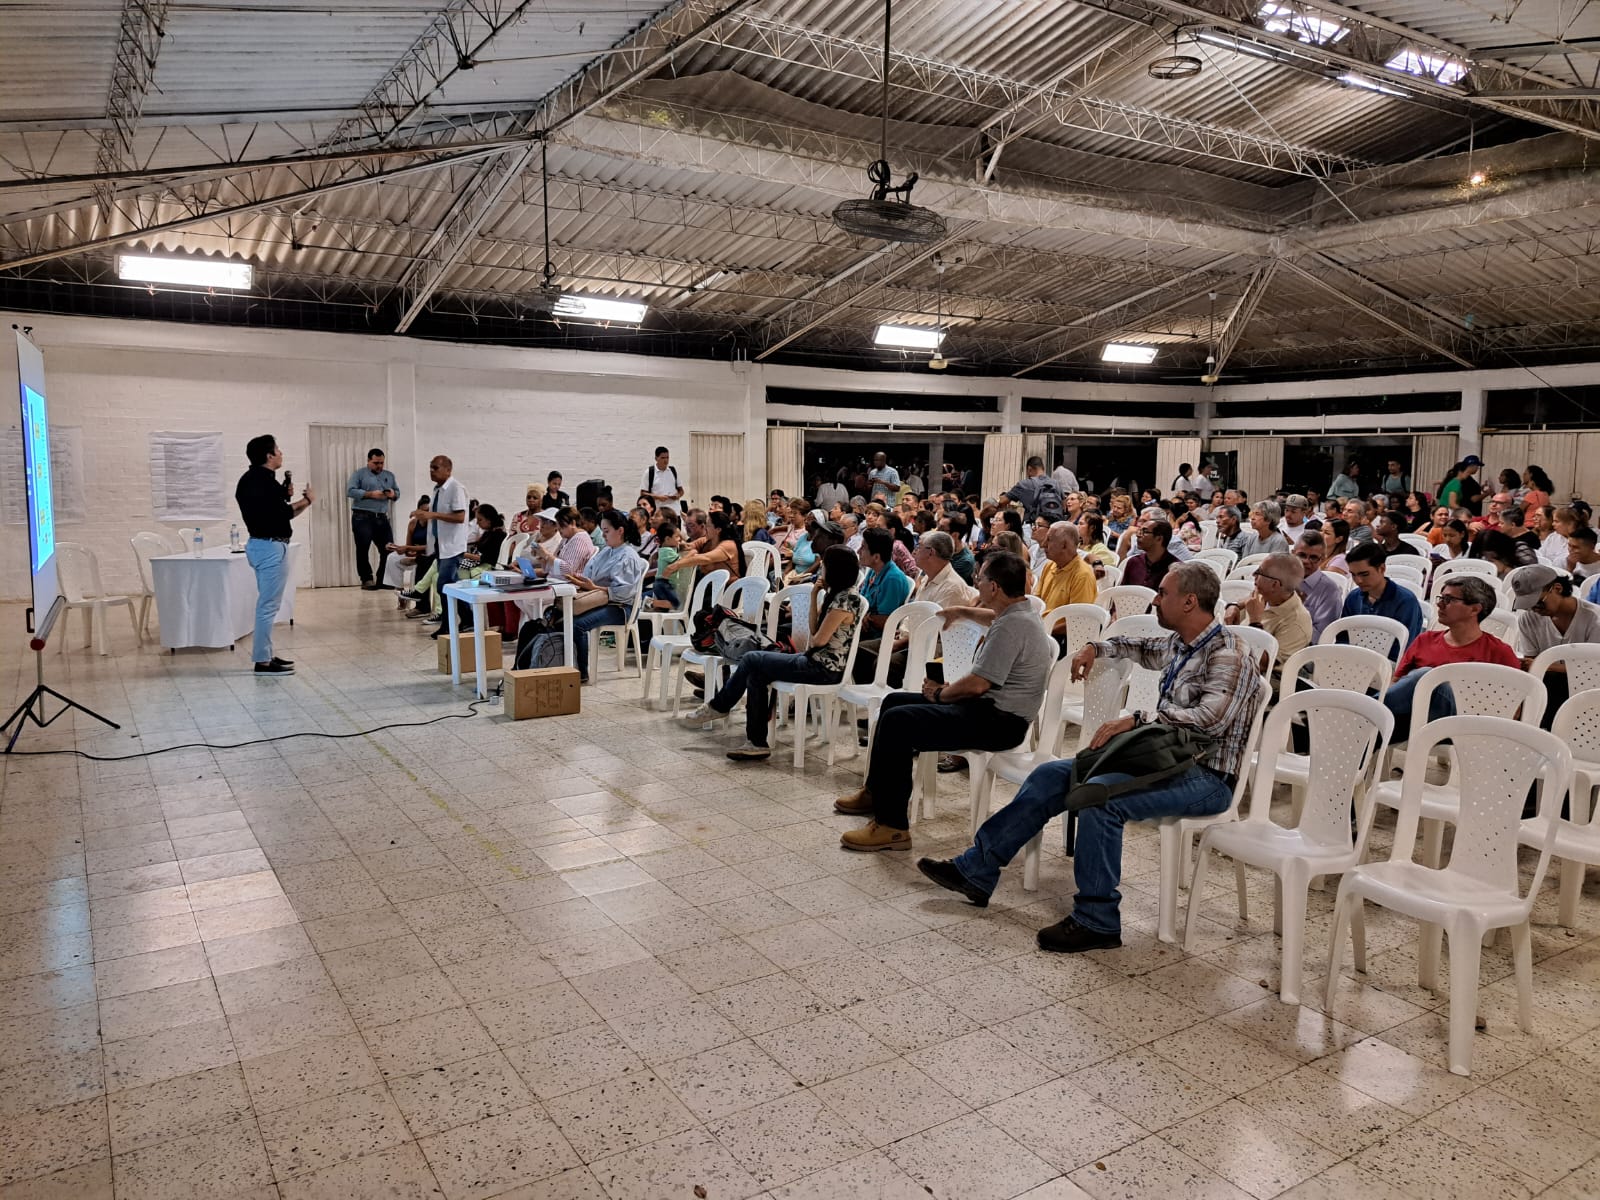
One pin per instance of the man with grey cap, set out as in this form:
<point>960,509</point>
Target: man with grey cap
<point>1550,614</point>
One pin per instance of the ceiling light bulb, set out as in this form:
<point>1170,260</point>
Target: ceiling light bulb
<point>908,337</point>
<point>182,270</point>
<point>1123,352</point>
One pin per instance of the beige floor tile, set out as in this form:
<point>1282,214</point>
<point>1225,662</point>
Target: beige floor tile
<point>309,1072</point>
<point>398,1173</point>
<point>1249,1149</point>
<point>1395,1077</point>
<point>537,1012</point>
<point>159,1112</point>
<point>87,1181</point>
<point>458,1094</point>
<point>630,987</point>
<point>970,1158</point>
<point>399,997</point>
<point>1149,1169</point>
<point>719,964</point>
<point>784,1139</point>
<point>321,1134</point>
<point>1226,1059</point>
<point>1423,1162</point>
<point>990,994</point>
<point>159,1008</point>
<point>889,1101</point>
<point>672,1031</point>
<point>46,1083</point>
<point>1527,1139</point>
<point>1035,1118</point>
<point>434,1040</point>
<point>1316,1105</point>
<point>491,1156</point>
<point>569,1061</point>
<point>769,1002</point>
<point>725,1079</point>
<point>871,1176</point>
<point>152,1057</point>
<point>1061,1038</point>
<point>1560,1091</point>
<point>619,1114</point>
<point>66,987</point>
<point>823,1047</point>
<point>41,1143</point>
<point>226,1158</point>
<point>1147,1088</point>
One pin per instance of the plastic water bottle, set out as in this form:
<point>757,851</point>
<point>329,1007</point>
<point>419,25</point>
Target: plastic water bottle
<point>233,537</point>
<point>199,543</point>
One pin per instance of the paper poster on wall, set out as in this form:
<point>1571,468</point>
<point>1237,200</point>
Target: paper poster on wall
<point>186,477</point>
<point>66,469</point>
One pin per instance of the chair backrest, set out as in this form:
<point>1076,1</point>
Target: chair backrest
<point>1037,604</point>
<point>924,636</point>
<point>1383,634</point>
<point>1414,579</point>
<point>77,572</point>
<point>1208,533</point>
<point>511,546</point>
<point>1245,568</point>
<point>758,559</point>
<point>1236,591</point>
<point>186,538</point>
<point>746,596</point>
<point>1251,743</point>
<point>1104,695</point>
<point>1084,623</point>
<point>1127,600</point>
<point>1142,626</point>
<point>1418,543</point>
<point>1217,566</point>
<point>636,602</point>
<point>1344,581</point>
<point>1347,731</point>
<point>1577,724</point>
<point>710,585</point>
<point>1110,578</point>
<point>1500,760</point>
<point>1582,661</point>
<point>796,596</point>
<point>1463,566</point>
<point>1048,720</point>
<point>1143,685</point>
<point>1480,690</point>
<point>1345,668</point>
<point>800,616</point>
<point>1263,647</point>
<point>850,658</point>
<point>1501,623</point>
<point>899,621</point>
<point>959,646</point>
<point>145,547</point>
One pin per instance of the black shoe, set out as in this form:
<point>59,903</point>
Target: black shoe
<point>369,586</point>
<point>948,876</point>
<point>949,764</point>
<point>695,678</point>
<point>275,667</point>
<point>1066,936</point>
<point>415,597</point>
<point>282,662</point>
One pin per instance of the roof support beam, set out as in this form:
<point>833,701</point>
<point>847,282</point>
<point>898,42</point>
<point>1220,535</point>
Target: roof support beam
<point>636,58</point>
<point>138,42</point>
<point>1386,307</point>
<point>1119,327</point>
<point>1239,319</point>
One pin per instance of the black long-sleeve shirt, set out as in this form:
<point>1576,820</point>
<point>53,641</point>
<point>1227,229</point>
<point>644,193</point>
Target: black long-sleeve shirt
<point>263,504</point>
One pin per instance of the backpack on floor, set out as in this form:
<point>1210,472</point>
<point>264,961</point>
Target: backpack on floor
<point>539,645</point>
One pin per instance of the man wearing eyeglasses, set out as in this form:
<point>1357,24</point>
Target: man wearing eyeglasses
<point>1276,607</point>
<point>1462,603</point>
<point>1319,591</point>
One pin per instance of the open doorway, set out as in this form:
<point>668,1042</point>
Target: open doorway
<point>1311,463</point>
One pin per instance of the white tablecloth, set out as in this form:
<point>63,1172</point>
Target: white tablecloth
<point>211,600</point>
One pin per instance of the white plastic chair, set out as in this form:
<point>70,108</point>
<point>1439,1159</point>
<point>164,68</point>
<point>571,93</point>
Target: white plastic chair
<point>1407,566</point>
<point>1577,842</point>
<point>760,561</point>
<point>747,597</point>
<point>1014,765</point>
<point>1208,534</point>
<point>800,633</point>
<point>1463,566</point>
<point>78,572</point>
<point>1348,731</point>
<point>1383,634</point>
<point>1345,668</point>
<point>145,547</point>
<point>623,633</point>
<point>1225,558</point>
<point>1418,543</point>
<point>1235,591</point>
<point>1176,834</point>
<point>802,694</point>
<point>1245,568</point>
<point>869,696</point>
<point>665,645</point>
<point>186,539</point>
<point>1501,623</point>
<point>1581,661</point>
<point>1083,623</point>
<point>1037,604</point>
<point>1479,890</point>
<point>1262,645</point>
<point>1109,578</point>
<point>1127,600</point>
<point>958,647</point>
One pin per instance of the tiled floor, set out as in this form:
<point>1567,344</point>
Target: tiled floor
<point>589,958</point>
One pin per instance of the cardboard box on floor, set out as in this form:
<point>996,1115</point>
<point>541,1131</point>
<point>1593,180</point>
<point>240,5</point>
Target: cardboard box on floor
<point>550,692</point>
<point>492,652</point>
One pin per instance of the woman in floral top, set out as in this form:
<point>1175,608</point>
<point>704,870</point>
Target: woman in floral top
<point>836,609</point>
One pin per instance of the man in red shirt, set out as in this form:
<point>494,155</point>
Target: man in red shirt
<point>1462,603</point>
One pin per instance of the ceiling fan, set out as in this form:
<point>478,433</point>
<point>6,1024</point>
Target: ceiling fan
<point>543,299</point>
<point>937,361</point>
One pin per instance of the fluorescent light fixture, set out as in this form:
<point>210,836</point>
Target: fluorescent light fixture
<point>1123,352</point>
<point>1428,66</point>
<point>1372,85</point>
<point>193,272</point>
<point>1237,45</point>
<point>598,308</point>
<point>1299,24</point>
<point>908,337</point>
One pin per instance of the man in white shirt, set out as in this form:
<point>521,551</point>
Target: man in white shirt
<point>883,479</point>
<point>829,494</point>
<point>1066,481</point>
<point>1293,523</point>
<point>447,529</point>
<point>914,482</point>
<point>663,483</point>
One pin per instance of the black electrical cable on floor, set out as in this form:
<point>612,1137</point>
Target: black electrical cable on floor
<point>472,711</point>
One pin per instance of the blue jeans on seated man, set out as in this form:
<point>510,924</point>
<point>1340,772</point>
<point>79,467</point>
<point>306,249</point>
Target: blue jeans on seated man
<point>1097,861</point>
<point>1398,700</point>
<point>606,614</point>
<point>754,676</point>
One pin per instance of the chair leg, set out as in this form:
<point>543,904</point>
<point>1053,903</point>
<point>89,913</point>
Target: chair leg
<point>1240,887</point>
<point>1341,919</point>
<point>1358,936</point>
<point>1466,944</point>
<point>1292,901</point>
<point>1432,843</point>
<point>138,637</point>
<point>97,632</point>
<point>1429,939</point>
<point>1030,862</point>
<point>982,791</point>
<point>802,718</point>
<point>1197,882</point>
<point>1571,890</point>
<point>1167,902</point>
<point>645,663</point>
<point>1522,960</point>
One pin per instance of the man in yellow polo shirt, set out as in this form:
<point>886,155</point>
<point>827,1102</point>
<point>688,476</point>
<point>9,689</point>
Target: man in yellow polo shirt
<point>1066,578</point>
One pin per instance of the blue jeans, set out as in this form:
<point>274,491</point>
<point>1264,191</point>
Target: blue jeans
<point>755,674</point>
<point>662,590</point>
<point>449,572</point>
<point>1398,701</point>
<point>606,614</point>
<point>1097,862</point>
<point>270,561</point>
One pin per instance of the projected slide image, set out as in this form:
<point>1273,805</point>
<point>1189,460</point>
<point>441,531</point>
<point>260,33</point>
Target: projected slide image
<point>36,429</point>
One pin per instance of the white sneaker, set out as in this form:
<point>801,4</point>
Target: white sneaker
<point>702,715</point>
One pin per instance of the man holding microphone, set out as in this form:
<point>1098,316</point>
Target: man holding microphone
<point>370,489</point>
<point>267,507</point>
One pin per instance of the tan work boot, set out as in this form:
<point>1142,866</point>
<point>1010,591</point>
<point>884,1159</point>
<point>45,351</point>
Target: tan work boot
<point>876,837</point>
<point>857,804</point>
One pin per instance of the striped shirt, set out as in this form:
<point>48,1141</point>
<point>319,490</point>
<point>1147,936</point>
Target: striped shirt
<point>1213,691</point>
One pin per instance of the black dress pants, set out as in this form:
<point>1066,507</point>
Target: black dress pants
<point>909,723</point>
<point>370,528</point>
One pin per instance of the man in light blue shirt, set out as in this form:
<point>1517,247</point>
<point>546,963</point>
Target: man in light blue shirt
<point>371,489</point>
<point>883,479</point>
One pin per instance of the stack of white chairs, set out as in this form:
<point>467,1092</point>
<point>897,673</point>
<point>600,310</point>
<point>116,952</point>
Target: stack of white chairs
<point>1480,890</point>
<point>1348,731</point>
<point>672,632</point>
<point>747,597</point>
<point>907,620</point>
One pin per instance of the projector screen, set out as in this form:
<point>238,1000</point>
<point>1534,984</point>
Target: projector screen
<point>36,461</point>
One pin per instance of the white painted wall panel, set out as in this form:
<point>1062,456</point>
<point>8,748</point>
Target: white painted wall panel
<point>1172,453</point>
<point>1432,455</point>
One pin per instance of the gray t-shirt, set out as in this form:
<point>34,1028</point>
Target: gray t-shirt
<point>1536,632</point>
<point>1016,657</point>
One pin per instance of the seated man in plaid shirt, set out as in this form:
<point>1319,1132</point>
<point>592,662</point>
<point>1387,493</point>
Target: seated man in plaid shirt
<point>1209,685</point>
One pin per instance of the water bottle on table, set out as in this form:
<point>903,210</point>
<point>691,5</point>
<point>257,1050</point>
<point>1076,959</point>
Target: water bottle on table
<point>233,538</point>
<point>199,542</point>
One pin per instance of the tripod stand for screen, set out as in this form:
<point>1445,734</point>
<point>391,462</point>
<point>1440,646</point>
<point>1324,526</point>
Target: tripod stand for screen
<point>33,708</point>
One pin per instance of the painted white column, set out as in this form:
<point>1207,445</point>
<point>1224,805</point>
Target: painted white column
<point>1471,421</point>
<point>755,427</point>
<point>1011,409</point>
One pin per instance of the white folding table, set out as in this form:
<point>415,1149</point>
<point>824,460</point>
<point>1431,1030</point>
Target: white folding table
<point>210,599</point>
<point>480,598</point>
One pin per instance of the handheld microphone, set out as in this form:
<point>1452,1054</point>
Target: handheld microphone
<point>288,485</point>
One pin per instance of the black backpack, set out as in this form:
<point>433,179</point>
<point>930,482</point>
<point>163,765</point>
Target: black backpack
<point>1047,502</point>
